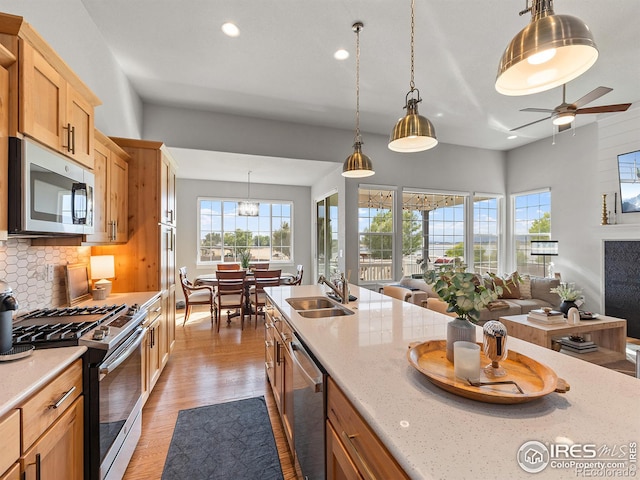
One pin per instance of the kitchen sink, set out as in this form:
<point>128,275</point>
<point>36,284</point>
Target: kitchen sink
<point>317,307</point>
<point>310,303</point>
<point>325,312</point>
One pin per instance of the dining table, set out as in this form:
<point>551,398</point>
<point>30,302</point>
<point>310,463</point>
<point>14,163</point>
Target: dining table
<point>249,281</point>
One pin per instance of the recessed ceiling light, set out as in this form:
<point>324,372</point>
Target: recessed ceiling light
<point>439,115</point>
<point>512,137</point>
<point>341,54</point>
<point>230,29</point>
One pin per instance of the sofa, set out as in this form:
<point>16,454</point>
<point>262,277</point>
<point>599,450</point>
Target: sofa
<point>521,295</point>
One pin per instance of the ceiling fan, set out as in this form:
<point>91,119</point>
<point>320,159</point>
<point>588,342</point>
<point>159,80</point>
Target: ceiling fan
<point>565,113</point>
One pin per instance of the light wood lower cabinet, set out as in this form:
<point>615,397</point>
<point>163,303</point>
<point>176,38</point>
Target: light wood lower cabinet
<point>152,351</point>
<point>58,454</point>
<point>9,443</point>
<point>279,365</point>
<point>43,438</point>
<point>348,435</point>
<point>12,474</point>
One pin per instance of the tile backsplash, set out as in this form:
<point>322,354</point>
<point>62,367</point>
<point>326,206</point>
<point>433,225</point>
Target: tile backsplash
<point>24,268</point>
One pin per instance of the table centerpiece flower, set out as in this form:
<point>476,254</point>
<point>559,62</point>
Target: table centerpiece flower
<point>466,295</point>
<point>245,258</point>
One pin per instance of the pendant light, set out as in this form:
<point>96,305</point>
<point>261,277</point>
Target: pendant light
<point>357,165</point>
<point>248,208</point>
<point>550,51</point>
<point>413,132</point>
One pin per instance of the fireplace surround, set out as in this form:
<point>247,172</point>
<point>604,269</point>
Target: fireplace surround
<point>622,282</point>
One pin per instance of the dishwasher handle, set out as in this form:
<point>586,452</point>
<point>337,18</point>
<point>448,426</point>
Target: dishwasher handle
<point>314,379</point>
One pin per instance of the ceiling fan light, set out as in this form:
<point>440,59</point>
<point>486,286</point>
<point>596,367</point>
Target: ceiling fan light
<point>575,53</point>
<point>357,165</point>
<point>413,132</point>
<point>564,118</point>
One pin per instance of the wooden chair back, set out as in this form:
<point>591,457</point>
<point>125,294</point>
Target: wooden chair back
<point>263,278</point>
<point>299,272</point>
<point>259,266</point>
<point>197,295</point>
<point>228,266</point>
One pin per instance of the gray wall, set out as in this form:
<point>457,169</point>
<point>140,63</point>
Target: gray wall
<point>446,167</point>
<point>579,169</point>
<point>187,238</point>
<point>82,47</point>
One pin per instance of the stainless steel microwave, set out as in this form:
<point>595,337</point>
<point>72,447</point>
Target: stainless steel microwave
<point>48,193</point>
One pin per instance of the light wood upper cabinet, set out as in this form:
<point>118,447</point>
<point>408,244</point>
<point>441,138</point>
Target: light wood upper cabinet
<point>6,60</point>
<point>111,202</point>
<point>53,105</point>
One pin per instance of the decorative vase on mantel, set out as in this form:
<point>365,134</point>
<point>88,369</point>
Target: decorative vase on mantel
<point>566,305</point>
<point>459,329</point>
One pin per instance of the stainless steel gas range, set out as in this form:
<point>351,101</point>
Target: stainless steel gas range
<point>112,383</point>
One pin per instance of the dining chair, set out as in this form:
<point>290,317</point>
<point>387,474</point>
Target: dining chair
<point>394,291</point>
<point>197,295</point>
<point>259,266</point>
<point>231,294</point>
<point>262,278</point>
<point>228,266</point>
<point>299,272</point>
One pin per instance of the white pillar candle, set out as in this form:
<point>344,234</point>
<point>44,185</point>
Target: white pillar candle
<point>466,360</point>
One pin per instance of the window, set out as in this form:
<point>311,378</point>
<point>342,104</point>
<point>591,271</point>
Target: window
<point>223,234</point>
<point>432,228</point>
<point>485,234</point>
<point>375,228</point>
<point>532,221</point>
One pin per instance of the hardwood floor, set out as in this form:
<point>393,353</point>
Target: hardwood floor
<point>204,368</point>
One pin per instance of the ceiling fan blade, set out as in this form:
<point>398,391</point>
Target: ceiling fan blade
<point>562,128</point>
<point>592,95</point>
<point>542,110</point>
<point>620,107</point>
<point>532,123</point>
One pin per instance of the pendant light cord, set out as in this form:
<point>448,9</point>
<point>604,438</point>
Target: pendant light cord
<point>412,84</point>
<point>357,27</point>
<point>249,185</point>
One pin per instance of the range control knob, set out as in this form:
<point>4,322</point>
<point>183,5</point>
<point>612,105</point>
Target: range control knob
<point>98,334</point>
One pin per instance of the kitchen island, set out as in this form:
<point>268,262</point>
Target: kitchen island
<point>435,434</point>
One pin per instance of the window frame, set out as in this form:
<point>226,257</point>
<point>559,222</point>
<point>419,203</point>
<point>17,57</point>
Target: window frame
<point>392,235</point>
<point>514,231</point>
<point>224,200</point>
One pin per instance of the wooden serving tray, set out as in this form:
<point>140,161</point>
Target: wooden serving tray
<point>534,378</point>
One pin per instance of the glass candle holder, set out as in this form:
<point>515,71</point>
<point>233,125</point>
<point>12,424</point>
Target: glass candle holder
<point>495,347</point>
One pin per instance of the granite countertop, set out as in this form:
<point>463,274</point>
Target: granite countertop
<point>141,298</point>
<point>436,434</point>
<point>23,377</point>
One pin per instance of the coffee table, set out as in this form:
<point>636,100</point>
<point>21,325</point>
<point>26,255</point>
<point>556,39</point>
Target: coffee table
<point>609,333</point>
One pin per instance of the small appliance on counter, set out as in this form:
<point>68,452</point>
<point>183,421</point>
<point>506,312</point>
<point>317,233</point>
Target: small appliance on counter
<point>8,305</point>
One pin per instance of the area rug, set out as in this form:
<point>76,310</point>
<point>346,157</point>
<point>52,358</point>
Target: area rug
<point>231,440</point>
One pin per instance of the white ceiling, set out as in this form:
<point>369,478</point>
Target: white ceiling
<point>282,66</point>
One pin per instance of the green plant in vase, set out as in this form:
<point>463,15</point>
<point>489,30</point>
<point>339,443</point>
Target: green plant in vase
<point>245,258</point>
<point>465,295</point>
<point>569,295</point>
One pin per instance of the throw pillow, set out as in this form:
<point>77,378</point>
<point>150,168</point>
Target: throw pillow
<point>509,286</point>
<point>525,287</point>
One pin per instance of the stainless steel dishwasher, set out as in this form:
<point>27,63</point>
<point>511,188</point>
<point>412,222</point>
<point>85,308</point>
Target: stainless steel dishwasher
<point>309,411</point>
